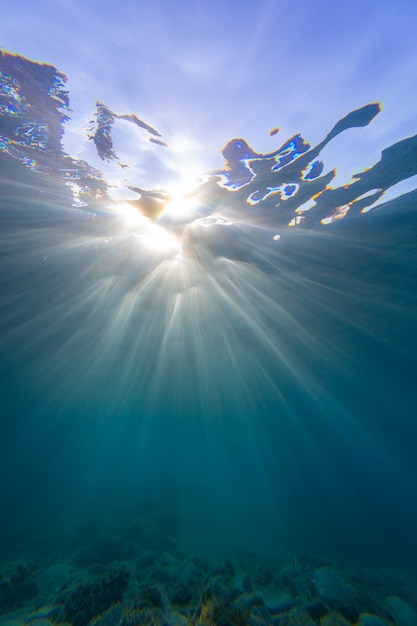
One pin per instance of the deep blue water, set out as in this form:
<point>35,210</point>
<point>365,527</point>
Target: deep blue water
<point>243,395</point>
<point>270,410</point>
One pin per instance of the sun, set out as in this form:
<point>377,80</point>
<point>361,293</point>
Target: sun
<point>151,235</point>
<point>158,216</point>
<point>159,240</point>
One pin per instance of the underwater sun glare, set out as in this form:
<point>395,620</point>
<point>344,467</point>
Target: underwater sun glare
<point>160,240</point>
<point>153,236</point>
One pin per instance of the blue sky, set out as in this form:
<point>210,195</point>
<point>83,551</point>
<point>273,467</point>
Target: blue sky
<point>202,72</point>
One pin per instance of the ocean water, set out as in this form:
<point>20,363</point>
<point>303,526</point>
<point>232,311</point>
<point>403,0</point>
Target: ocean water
<point>227,377</point>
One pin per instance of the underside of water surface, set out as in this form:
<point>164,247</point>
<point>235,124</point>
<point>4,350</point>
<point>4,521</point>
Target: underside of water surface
<point>208,401</point>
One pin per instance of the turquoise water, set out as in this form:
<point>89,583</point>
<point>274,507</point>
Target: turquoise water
<point>235,380</point>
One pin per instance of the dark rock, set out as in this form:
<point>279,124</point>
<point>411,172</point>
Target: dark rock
<point>145,561</point>
<point>151,596</point>
<point>366,619</point>
<point>174,619</point>
<point>316,610</point>
<point>161,576</point>
<point>260,616</point>
<point>143,617</point>
<point>17,585</point>
<point>94,597</point>
<point>336,593</point>
<point>225,570</point>
<point>97,569</point>
<point>46,613</point>
<point>263,576</point>
<point>248,601</point>
<point>105,549</point>
<point>221,612</point>
<point>184,594</point>
<point>111,617</point>
<point>298,617</point>
<point>400,611</point>
<point>295,582</point>
<point>56,614</point>
<point>215,588</point>
<point>277,602</point>
<point>189,584</point>
<point>190,572</point>
<point>334,619</point>
<point>247,584</point>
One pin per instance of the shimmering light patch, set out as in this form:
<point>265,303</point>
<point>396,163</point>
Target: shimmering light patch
<point>238,172</point>
<point>339,214</point>
<point>289,191</point>
<point>213,220</point>
<point>313,170</point>
<point>297,220</point>
<point>57,90</point>
<point>12,101</point>
<point>33,135</point>
<point>259,195</point>
<point>181,207</point>
<point>11,148</point>
<point>373,194</point>
<point>306,206</point>
<point>76,194</point>
<point>157,239</point>
<point>283,191</point>
<point>152,236</point>
<point>187,180</point>
<point>289,151</point>
<point>130,214</point>
<point>243,175</point>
